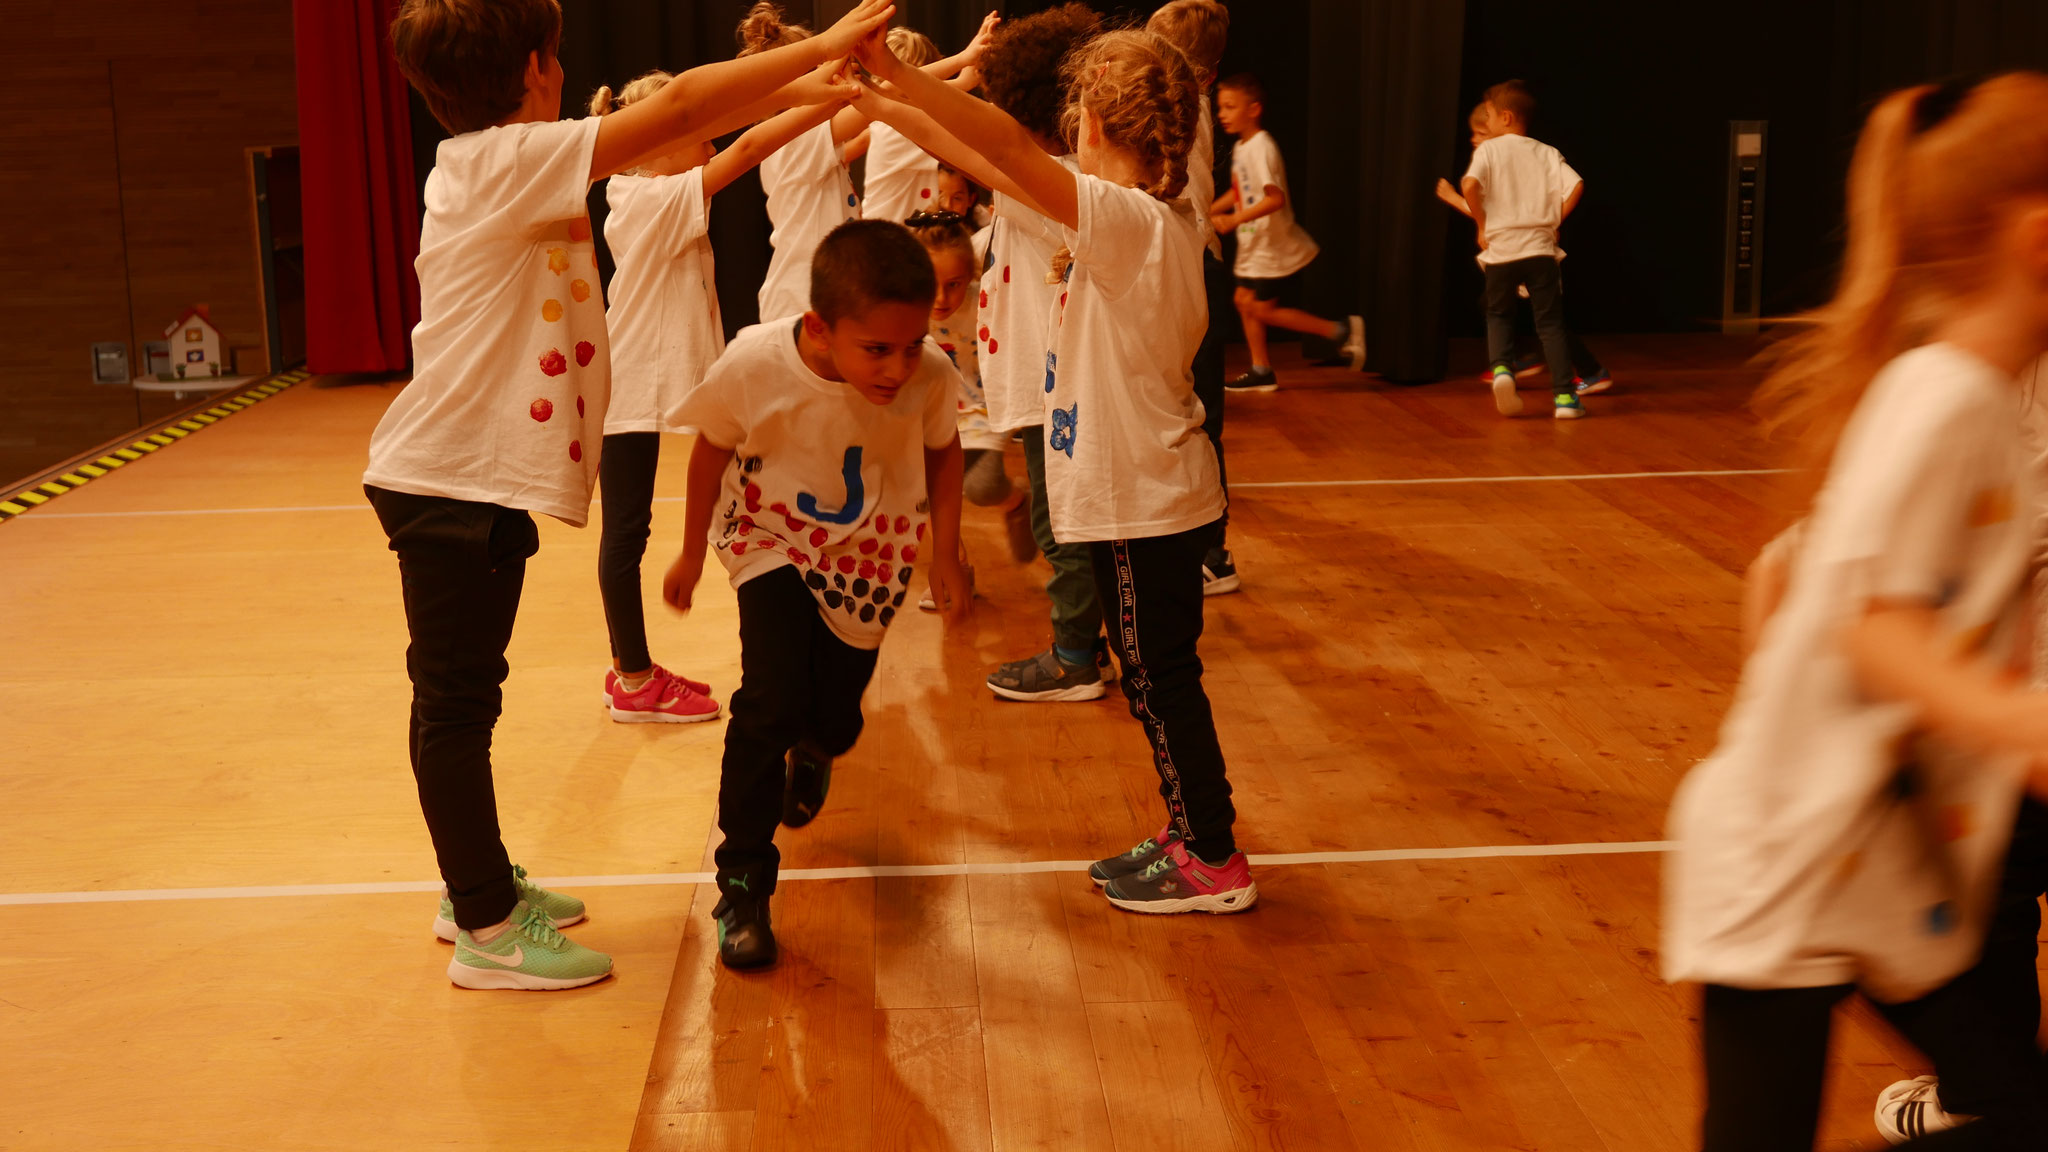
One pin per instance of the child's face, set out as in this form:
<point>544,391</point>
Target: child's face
<point>1237,114</point>
<point>955,194</point>
<point>956,278</point>
<point>876,351</point>
<point>1481,132</point>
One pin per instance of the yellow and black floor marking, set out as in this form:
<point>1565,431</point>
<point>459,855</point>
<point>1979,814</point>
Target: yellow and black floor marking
<point>80,473</point>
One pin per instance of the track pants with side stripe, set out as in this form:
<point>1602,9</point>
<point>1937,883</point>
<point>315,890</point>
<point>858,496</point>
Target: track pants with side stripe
<point>1151,591</point>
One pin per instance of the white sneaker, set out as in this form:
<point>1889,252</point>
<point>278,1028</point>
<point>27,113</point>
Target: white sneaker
<point>1504,399</point>
<point>1354,343</point>
<point>1911,1109</point>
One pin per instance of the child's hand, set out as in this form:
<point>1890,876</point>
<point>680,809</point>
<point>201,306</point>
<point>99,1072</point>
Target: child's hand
<point>680,585</point>
<point>1223,223</point>
<point>868,17</point>
<point>975,48</point>
<point>950,590</point>
<point>828,83</point>
<point>875,56</point>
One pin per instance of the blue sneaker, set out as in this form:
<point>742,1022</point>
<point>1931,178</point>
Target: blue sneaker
<point>1598,383</point>
<point>1568,407</point>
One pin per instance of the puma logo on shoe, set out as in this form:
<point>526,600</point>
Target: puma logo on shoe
<point>517,958</point>
<point>739,882</point>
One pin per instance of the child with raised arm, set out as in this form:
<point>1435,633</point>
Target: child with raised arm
<point>824,441</point>
<point>1846,835</point>
<point>1128,469</point>
<point>1518,191</point>
<point>901,177</point>
<point>506,404</point>
<point>1271,248</point>
<point>665,332</point>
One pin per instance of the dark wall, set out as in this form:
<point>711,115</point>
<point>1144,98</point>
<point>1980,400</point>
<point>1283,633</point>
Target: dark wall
<point>1640,107</point>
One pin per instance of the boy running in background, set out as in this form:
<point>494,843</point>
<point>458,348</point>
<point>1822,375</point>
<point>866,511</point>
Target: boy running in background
<point>1518,191</point>
<point>1271,248</point>
<point>822,442</point>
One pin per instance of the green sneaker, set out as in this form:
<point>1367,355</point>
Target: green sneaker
<point>563,910</point>
<point>529,955</point>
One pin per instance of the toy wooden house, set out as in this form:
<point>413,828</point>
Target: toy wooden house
<point>195,344</point>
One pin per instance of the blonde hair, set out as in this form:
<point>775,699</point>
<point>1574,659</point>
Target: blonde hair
<point>636,90</point>
<point>912,47</point>
<point>1200,28</point>
<point>1143,90</point>
<point>1932,177</point>
<point>765,27</point>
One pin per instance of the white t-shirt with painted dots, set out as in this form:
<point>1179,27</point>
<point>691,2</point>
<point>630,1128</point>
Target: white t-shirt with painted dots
<point>1019,293</point>
<point>1125,454</point>
<point>664,311</point>
<point>511,372</point>
<point>809,194</point>
<point>822,479</point>
<point>902,178</point>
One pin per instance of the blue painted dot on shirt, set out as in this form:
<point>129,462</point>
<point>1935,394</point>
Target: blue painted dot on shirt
<point>1941,919</point>
<point>1052,365</point>
<point>852,201</point>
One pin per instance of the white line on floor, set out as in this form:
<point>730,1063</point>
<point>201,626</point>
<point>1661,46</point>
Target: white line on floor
<point>1386,482</point>
<point>852,873</point>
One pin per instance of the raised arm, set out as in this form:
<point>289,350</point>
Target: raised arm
<point>920,129</point>
<point>707,101</point>
<point>986,129</point>
<point>760,142</point>
<point>1449,195</point>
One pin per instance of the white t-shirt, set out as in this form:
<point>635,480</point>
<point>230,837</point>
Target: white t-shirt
<point>955,336</point>
<point>510,369</point>
<point>1125,455</point>
<point>664,312</point>
<point>821,478</point>
<point>1274,246</point>
<point>902,178</point>
<point>1524,183</point>
<point>1798,864</point>
<point>1201,191</point>
<point>809,194</point>
<point>1019,294</point>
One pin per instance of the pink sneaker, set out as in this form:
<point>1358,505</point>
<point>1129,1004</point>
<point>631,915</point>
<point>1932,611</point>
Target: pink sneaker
<point>663,699</point>
<point>1179,881</point>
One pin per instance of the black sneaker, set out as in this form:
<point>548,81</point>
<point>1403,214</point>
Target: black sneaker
<point>1047,679</point>
<point>1140,857</point>
<point>745,939</point>
<point>1219,573</point>
<point>1254,381</point>
<point>804,789</point>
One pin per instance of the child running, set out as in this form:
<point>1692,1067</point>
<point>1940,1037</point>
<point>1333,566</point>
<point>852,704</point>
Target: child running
<point>665,333</point>
<point>1271,248</point>
<point>1518,191</point>
<point>1129,471</point>
<point>1846,835</point>
<point>510,381</point>
<point>822,441</point>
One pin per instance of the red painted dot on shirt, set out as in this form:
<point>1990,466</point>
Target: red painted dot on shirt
<point>909,554</point>
<point>553,363</point>
<point>1006,273</point>
<point>795,525</point>
<point>584,351</point>
<point>1063,299</point>
<point>881,522</point>
<point>903,525</point>
<point>746,528</point>
<point>846,564</point>
<point>818,538</point>
<point>883,571</point>
<point>991,345</point>
<point>779,508</point>
<point>867,569</point>
<point>920,530</point>
<point>984,299</point>
<point>576,451</point>
<point>542,410</point>
<point>984,331</point>
<point>799,556</point>
<point>867,546</point>
<point>888,552</point>
<point>739,547</point>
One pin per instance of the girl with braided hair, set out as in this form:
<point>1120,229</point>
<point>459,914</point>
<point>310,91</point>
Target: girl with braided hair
<point>1129,470</point>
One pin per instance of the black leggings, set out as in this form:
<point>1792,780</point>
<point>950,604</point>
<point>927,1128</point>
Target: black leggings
<point>1766,1051</point>
<point>1151,592</point>
<point>626,475</point>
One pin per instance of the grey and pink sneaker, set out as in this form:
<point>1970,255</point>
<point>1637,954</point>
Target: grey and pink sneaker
<point>664,698</point>
<point>1134,861</point>
<point>1179,881</point>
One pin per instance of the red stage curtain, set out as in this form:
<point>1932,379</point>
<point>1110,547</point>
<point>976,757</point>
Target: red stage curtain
<point>362,215</point>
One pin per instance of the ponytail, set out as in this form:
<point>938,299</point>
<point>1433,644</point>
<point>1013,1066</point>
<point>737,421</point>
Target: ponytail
<point>765,27</point>
<point>639,88</point>
<point>601,100</point>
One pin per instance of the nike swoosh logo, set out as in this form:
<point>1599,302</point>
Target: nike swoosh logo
<point>517,958</point>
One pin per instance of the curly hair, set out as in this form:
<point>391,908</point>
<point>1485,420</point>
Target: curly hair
<point>1143,90</point>
<point>603,102</point>
<point>1021,69</point>
<point>765,27</point>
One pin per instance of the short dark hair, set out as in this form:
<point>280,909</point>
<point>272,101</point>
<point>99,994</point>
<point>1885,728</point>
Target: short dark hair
<point>863,263</point>
<point>1021,69</point>
<point>1513,96</point>
<point>1247,84</point>
<point>468,57</point>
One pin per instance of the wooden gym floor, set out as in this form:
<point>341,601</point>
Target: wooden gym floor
<point>219,890</point>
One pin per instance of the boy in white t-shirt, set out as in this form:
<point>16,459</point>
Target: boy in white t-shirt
<point>824,442</point>
<point>1271,248</point>
<point>1519,190</point>
<point>510,382</point>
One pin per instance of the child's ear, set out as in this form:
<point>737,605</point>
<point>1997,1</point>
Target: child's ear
<point>816,328</point>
